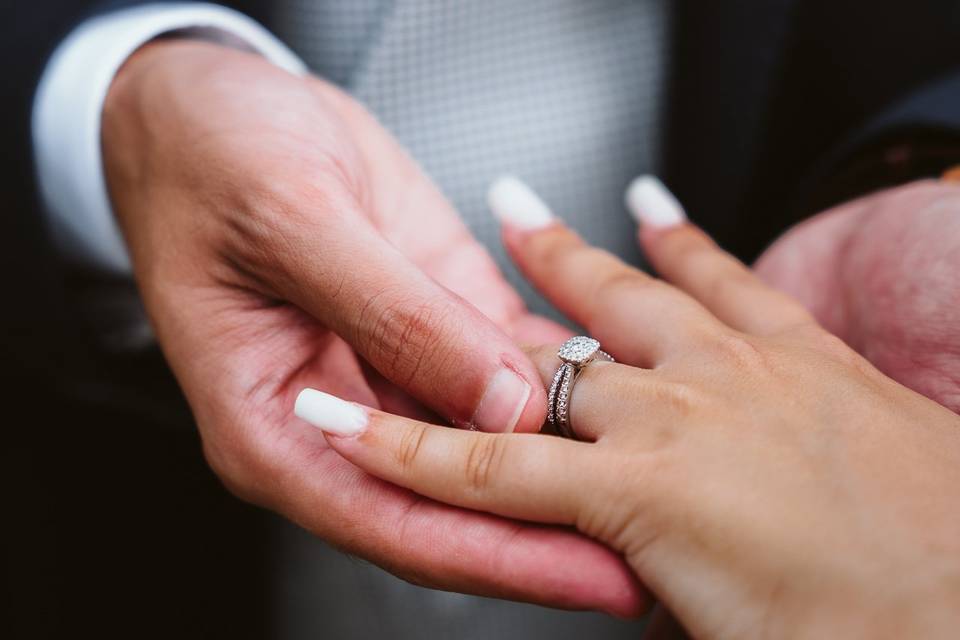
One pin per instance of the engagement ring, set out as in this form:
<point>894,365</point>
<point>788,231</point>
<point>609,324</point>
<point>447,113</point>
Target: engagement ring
<point>575,354</point>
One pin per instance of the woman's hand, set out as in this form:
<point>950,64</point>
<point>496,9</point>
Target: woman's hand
<point>759,476</point>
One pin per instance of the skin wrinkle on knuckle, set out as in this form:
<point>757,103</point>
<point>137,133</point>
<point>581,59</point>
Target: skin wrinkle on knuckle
<point>403,336</point>
<point>366,323</point>
<point>739,352</point>
<point>248,255</point>
<point>408,450</point>
<point>257,232</point>
<point>271,215</point>
<point>484,459</point>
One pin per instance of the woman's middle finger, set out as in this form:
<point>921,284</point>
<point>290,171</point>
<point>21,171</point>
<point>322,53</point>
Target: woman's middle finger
<point>689,259</point>
<point>640,319</point>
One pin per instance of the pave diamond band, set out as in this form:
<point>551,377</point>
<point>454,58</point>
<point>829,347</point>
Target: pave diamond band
<point>575,354</point>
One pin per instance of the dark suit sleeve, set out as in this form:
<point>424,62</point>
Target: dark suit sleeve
<point>43,334</point>
<point>917,137</point>
<point>936,105</point>
<point>34,333</point>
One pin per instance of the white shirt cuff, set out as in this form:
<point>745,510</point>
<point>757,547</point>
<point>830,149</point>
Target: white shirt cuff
<point>69,103</point>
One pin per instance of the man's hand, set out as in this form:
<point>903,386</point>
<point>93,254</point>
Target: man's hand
<point>882,273</point>
<point>281,239</point>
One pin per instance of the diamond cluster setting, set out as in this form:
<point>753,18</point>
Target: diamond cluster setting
<point>575,354</point>
<point>579,351</point>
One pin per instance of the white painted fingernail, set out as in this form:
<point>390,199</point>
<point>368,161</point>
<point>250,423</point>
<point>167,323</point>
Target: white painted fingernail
<point>651,203</point>
<point>517,205</point>
<point>329,413</point>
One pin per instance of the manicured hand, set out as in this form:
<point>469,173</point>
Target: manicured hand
<point>282,239</point>
<point>759,476</point>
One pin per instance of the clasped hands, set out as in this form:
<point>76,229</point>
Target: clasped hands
<point>744,465</point>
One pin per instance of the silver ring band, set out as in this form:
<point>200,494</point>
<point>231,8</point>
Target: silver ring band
<point>575,354</point>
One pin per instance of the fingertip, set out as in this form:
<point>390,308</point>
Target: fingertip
<point>332,415</point>
<point>517,206</point>
<point>652,205</point>
<point>523,215</point>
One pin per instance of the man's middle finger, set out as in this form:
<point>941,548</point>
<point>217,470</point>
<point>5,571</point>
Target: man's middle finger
<point>421,336</point>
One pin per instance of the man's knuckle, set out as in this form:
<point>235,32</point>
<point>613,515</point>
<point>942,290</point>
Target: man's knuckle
<point>264,230</point>
<point>403,337</point>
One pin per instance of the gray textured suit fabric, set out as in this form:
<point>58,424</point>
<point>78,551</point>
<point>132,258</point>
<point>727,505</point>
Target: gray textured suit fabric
<point>566,94</point>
